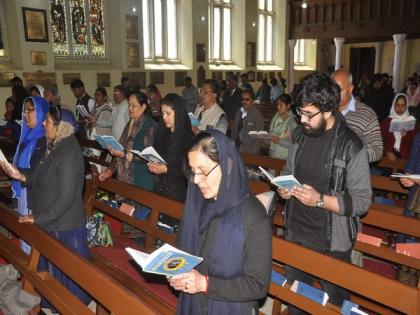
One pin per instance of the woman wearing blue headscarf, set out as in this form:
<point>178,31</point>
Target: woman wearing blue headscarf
<point>228,227</point>
<point>29,152</point>
<point>57,188</point>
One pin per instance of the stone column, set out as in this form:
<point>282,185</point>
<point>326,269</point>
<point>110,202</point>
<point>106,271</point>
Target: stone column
<point>292,43</point>
<point>378,56</point>
<point>398,41</point>
<point>338,41</point>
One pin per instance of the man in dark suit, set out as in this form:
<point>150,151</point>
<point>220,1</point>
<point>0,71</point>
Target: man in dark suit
<point>232,102</point>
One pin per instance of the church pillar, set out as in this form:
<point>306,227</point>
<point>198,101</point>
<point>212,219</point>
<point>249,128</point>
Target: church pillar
<point>339,42</point>
<point>378,56</point>
<point>292,43</point>
<point>398,41</point>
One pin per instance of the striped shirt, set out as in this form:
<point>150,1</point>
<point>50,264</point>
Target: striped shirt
<point>364,122</point>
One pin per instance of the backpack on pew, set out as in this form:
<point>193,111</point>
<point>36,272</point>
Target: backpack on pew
<point>98,232</point>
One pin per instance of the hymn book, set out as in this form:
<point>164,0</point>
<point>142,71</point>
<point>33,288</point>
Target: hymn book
<point>409,176</point>
<point>107,141</point>
<point>82,111</point>
<point>409,249</point>
<point>310,292</point>
<point>278,278</point>
<point>399,125</point>
<point>150,155</point>
<point>286,182</point>
<point>7,164</point>
<point>194,121</point>
<point>262,135</point>
<point>166,260</point>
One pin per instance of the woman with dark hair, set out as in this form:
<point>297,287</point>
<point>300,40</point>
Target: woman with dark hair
<point>57,189</point>
<point>100,122</point>
<point>227,226</point>
<point>281,127</point>
<point>172,137</point>
<point>29,152</point>
<point>138,134</point>
<point>19,94</point>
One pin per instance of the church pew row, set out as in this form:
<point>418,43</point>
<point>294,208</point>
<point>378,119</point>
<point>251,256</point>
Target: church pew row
<point>395,296</point>
<point>108,293</point>
<point>154,201</point>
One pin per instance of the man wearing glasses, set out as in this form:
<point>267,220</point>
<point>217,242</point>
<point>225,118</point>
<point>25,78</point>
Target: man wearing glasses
<point>331,163</point>
<point>247,118</point>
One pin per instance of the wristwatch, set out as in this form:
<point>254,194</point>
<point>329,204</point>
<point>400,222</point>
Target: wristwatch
<point>320,201</point>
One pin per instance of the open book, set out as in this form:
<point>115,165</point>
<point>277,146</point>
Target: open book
<point>6,162</point>
<point>166,260</point>
<point>262,135</point>
<point>401,175</point>
<point>287,181</point>
<point>194,121</point>
<point>106,141</point>
<point>150,155</point>
<point>398,125</point>
<point>82,111</point>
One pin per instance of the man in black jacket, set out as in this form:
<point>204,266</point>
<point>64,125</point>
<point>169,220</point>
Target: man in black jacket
<point>232,102</point>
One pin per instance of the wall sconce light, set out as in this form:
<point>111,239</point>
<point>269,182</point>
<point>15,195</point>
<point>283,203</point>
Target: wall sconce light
<point>203,18</point>
<point>134,9</point>
<point>304,4</point>
<point>254,24</point>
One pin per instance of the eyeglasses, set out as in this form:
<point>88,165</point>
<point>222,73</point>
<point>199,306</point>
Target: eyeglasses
<point>201,176</point>
<point>27,111</point>
<point>246,99</point>
<point>306,115</point>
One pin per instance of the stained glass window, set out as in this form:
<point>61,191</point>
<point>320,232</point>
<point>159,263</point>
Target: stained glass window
<point>78,28</point>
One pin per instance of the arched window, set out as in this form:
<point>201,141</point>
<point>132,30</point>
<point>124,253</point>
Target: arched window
<point>265,31</point>
<point>220,30</point>
<point>160,30</point>
<point>78,30</point>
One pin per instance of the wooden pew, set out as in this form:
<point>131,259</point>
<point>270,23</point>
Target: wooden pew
<point>158,204</point>
<point>105,291</point>
<point>385,296</point>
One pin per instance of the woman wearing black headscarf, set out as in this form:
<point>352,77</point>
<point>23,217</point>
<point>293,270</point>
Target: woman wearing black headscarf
<point>171,141</point>
<point>228,227</point>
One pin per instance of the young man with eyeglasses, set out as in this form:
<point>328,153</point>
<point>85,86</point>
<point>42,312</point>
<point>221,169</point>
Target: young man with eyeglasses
<point>247,118</point>
<point>331,162</point>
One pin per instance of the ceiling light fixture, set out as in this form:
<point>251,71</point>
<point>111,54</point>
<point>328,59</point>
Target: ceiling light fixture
<point>304,4</point>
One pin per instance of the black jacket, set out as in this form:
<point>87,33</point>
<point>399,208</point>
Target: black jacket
<point>232,103</point>
<point>57,188</point>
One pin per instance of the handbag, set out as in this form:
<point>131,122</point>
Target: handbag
<point>98,232</point>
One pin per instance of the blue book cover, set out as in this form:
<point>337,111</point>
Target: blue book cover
<point>106,141</point>
<point>194,121</point>
<point>166,260</point>
<point>310,292</point>
<point>347,307</point>
<point>278,278</point>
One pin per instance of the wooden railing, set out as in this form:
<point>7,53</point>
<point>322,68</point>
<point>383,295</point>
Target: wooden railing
<point>108,293</point>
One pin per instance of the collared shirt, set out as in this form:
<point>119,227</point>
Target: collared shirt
<point>350,107</point>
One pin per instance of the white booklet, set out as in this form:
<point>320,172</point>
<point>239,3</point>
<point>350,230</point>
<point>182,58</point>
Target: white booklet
<point>398,125</point>
<point>3,122</point>
<point>166,260</point>
<point>194,121</point>
<point>401,175</point>
<point>82,111</point>
<point>150,155</point>
<point>260,135</point>
<point>6,162</point>
<point>286,181</point>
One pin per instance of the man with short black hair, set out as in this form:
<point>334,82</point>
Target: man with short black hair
<point>120,116</point>
<point>248,118</point>
<point>78,89</point>
<point>232,100</point>
<point>330,161</point>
